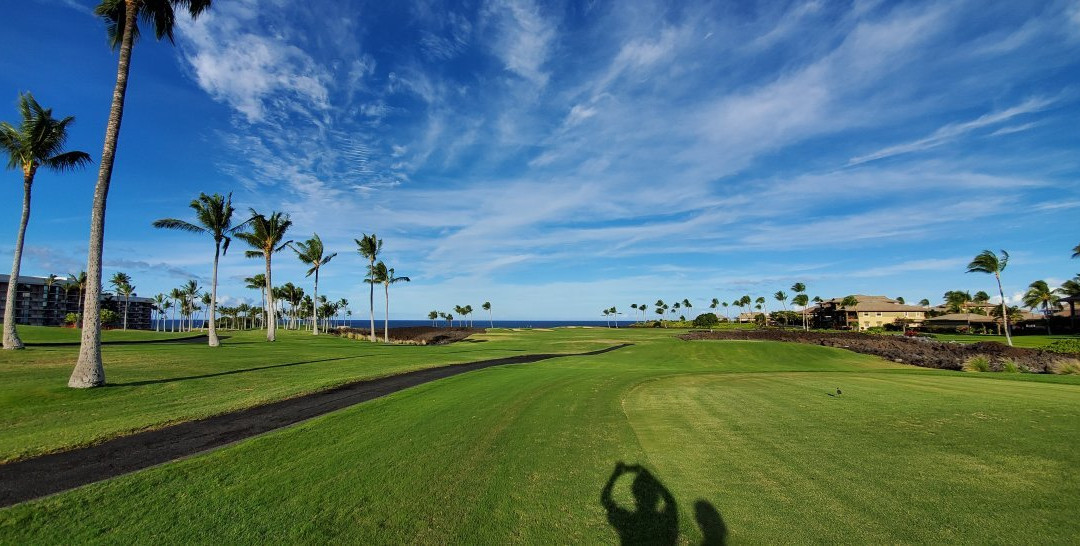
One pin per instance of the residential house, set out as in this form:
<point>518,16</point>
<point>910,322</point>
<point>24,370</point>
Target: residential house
<point>870,312</point>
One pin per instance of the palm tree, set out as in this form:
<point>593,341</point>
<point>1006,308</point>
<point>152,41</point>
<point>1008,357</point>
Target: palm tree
<point>688,306</point>
<point>385,276</point>
<point>37,142</point>
<point>634,306</point>
<point>159,305</point>
<point>988,262</point>
<point>118,281</point>
<point>265,237</point>
<point>78,282</point>
<point>432,316</point>
<point>760,300</point>
<point>121,24</point>
<point>369,246</point>
<point>606,313</point>
<point>849,304</point>
<point>344,305</point>
<point>176,295</point>
<point>191,290</point>
<point>311,253</point>
<point>258,282</point>
<point>924,302</point>
<point>1039,294</point>
<point>802,300</point>
<point>487,307</point>
<point>213,215</point>
<point>1076,251</point>
<point>49,309</point>
<point>468,313</point>
<point>782,297</point>
<point>127,290</point>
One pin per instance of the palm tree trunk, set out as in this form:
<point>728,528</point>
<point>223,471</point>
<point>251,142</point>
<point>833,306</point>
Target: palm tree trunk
<point>314,303</point>
<point>214,342</point>
<point>1004,310</point>
<point>11,336</point>
<point>386,317</point>
<point>89,371</point>
<point>371,300</point>
<point>127,300</point>
<point>271,316</point>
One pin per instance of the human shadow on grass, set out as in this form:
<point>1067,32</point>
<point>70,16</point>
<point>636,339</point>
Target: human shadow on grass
<point>228,372</point>
<point>654,519</point>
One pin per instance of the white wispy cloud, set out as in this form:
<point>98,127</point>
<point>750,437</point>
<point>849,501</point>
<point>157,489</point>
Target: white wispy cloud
<point>953,131</point>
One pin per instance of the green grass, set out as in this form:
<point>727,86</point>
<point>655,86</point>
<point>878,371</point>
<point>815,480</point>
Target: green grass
<point>522,453</point>
<point>151,385</point>
<point>32,335</point>
<point>1028,341</point>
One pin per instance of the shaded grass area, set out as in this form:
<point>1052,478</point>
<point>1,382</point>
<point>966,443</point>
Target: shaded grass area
<point>151,385</point>
<point>746,440</point>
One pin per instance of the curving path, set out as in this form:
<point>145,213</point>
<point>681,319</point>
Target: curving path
<point>40,476</point>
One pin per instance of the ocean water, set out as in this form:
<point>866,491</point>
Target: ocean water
<point>363,323</point>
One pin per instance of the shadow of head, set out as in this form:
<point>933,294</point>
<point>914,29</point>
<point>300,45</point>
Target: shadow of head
<point>713,529</point>
<point>652,518</point>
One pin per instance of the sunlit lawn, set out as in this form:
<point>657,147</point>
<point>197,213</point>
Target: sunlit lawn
<point>751,436</point>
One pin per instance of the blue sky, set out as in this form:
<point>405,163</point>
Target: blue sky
<point>561,158</point>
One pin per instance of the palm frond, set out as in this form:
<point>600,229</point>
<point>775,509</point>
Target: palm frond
<point>173,223</point>
<point>68,161</point>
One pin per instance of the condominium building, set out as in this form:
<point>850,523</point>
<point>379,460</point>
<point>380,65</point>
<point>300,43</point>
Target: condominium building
<point>44,301</point>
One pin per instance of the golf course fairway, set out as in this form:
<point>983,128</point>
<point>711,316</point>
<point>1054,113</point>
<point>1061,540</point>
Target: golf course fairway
<point>739,441</point>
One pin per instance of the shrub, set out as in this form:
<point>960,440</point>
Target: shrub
<point>875,330</point>
<point>1065,346</point>
<point>1067,367</point>
<point>109,317</point>
<point>706,320</point>
<point>1010,366</point>
<point>977,363</point>
<point>71,318</point>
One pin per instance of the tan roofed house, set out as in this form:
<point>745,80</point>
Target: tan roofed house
<point>870,312</point>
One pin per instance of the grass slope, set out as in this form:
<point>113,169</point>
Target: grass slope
<point>744,434</point>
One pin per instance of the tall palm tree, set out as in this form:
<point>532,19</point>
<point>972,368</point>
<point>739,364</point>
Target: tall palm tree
<point>311,253</point>
<point>50,281</point>
<point>607,313</point>
<point>924,302</point>
<point>782,297</point>
<point>802,300</point>
<point>37,142</point>
<point>79,283</point>
<point>988,262</point>
<point>258,282</point>
<point>176,295</point>
<point>191,291</point>
<point>849,304</point>
<point>615,313</point>
<point>369,246</point>
<point>1038,295</point>
<point>688,306</point>
<point>159,306</point>
<point>487,307</point>
<point>213,216</point>
<point>432,316</point>
<point>121,24</point>
<point>344,305</point>
<point>1076,251</point>
<point>800,289</point>
<point>127,290</point>
<point>265,237</point>
<point>118,281</point>
<point>760,300</point>
<point>385,276</point>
